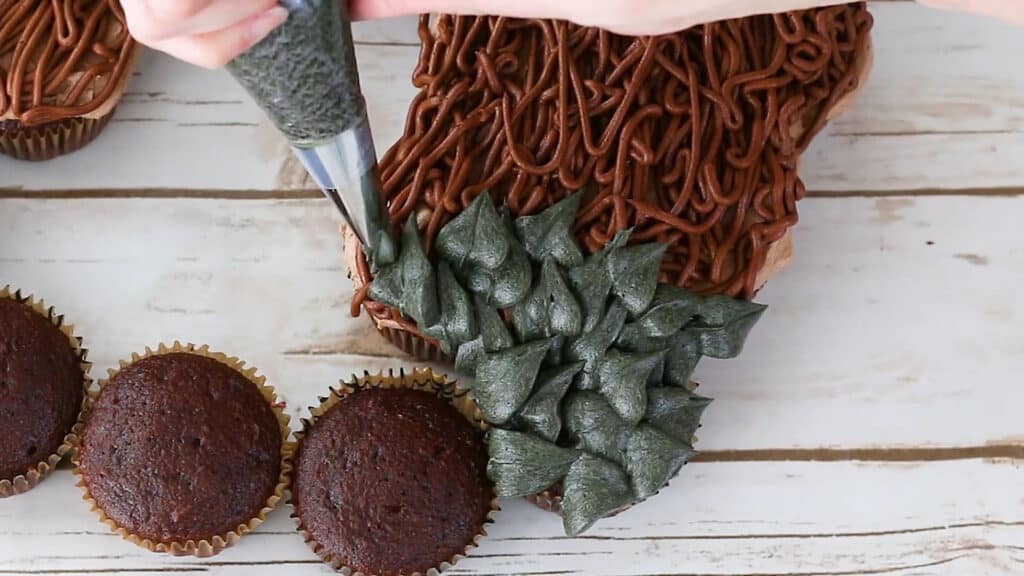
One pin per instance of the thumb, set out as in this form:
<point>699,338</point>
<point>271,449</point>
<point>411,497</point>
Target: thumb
<point>369,9</point>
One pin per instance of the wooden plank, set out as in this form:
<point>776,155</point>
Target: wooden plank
<point>943,109</point>
<point>763,519</point>
<point>898,326</point>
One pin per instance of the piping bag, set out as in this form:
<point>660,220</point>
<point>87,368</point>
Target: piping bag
<point>304,77</point>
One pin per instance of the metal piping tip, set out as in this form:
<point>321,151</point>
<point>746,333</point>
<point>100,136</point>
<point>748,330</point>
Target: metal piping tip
<point>345,168</point>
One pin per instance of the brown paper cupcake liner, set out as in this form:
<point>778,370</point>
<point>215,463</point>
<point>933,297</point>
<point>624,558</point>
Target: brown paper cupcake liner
<point>206,547</point>
<point>415,345</point>
<point>48,141</point>
<point>30,479</point>
<point>419,379</point>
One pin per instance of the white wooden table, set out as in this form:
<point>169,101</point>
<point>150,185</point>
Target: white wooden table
<point>874,425</point>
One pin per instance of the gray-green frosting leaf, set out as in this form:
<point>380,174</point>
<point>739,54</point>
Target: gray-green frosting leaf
<point>622,380</point>
<point>409,284</point>
<point>593,425</point>
<point>468,356</point>
<point>593,489</point>
<point>556,348</point>
<point>563,312</point>
<point>493,330</point>
<point>682,358</point>
<point>542,412</point>
<point>593,283</point>
<point>634,271</point>
<point>475,237</point>
<point>530,316</point>
<point>653,458</point>
<point>724,324</point>
<point>522,464</point>
<point>458,323</point>
<point>505,379</point>
<point>505,285</point>
<point>591,346</point>
<point>550,232</point>
<point>675,411</point>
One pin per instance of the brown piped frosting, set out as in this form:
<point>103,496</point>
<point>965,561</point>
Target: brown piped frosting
<point>61,59</point>
<point>690,138</point>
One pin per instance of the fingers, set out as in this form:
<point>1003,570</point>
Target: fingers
<point>370,9</point>
<point>208,33</point>
<point>215,49</point>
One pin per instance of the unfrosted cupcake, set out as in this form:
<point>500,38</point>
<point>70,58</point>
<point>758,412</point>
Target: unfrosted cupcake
<point>391,476</point>
<point>184,451</point>
<point>43,384</point>
<point>64,66</point>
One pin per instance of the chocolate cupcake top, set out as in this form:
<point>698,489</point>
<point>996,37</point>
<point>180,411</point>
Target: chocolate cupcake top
<point>181,447</point>
<point>41,387</point>
<point>392,481</point>
<point>61,59</point>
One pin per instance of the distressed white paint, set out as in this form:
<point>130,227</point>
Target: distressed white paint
<point>755,518</point>
<point>873,338</point>
<point>896,333</point>
<point>943,109</point>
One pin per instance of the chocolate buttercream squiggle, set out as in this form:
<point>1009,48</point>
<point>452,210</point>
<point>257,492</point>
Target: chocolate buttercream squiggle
<point>691,138</point>
<point>60,59</point>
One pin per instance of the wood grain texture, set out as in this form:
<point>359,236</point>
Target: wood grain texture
<point>944,109</point>
<point>724,519</point>
<point>898,325</point>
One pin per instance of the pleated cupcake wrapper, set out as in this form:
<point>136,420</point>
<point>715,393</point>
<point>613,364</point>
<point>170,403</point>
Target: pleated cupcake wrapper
<point>419,379</point>
<point>48,141</point>
<point>53,139</point>
<point>203,548</point>
<point>25,482</point>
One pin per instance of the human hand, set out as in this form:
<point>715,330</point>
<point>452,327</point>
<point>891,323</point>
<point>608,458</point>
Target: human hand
<point>211,33</point>
<point>208,33</point>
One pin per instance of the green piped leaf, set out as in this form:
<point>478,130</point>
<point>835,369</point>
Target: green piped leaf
<point>634,272</point>
<point>468,356</point>
<point>592,346</point>
<point>504,379</point>
<point>549,234</point>
<point>563,312</point>
<point>724,324</point>
<point>653,458</point>
<point>522,464</point>
<point>682,358</point>
<point>476,237</point>
<point>593,489</point>
<point>593,425</point>
<point>671,308</point>
<point>675,411</point>
<point>622,380</point>
<point>492,328</point>
<point>593,283</point>
<point>542,412</point>
<point>505,285</point>
<point>556,350</point>
<point>458,322</point>
<point>530,316</point>
<point>410,284</point>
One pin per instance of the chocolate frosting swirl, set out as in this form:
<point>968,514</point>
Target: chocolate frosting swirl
<point>60,59</point>
<point>690,138</point>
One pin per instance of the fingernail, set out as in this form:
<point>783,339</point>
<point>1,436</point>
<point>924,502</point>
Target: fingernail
<point>266,22</point>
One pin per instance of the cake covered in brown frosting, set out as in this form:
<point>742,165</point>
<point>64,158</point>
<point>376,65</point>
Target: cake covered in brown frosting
<point>63,68</point>
<point>391,482</point>
<point>42,385</point>
<point>181,447</point>
<point>691,139</point>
